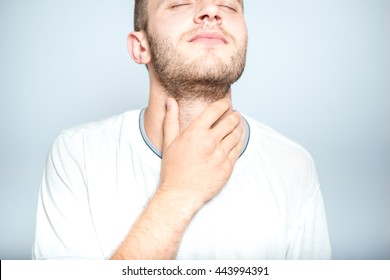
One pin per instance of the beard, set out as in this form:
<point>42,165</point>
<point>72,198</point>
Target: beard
<point>206,79</point>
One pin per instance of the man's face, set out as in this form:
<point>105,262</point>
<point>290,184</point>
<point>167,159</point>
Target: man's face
<point>197,45</point>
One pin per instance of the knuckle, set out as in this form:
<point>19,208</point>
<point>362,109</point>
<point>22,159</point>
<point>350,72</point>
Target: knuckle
<point>236,134</point>
<point>240,128</point>
<point>232,120</point>
<point>209,145</point>
<point>219,154</point>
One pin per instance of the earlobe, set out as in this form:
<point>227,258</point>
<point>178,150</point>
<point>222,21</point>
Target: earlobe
<point>138,47</point>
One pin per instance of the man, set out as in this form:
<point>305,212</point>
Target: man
<point>188,177</point>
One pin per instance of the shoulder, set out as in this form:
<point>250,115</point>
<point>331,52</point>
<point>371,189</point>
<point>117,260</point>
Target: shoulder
<point>273,140</point>
<point>106,132</point>
<point>104,127</point>
<point>279,153</point>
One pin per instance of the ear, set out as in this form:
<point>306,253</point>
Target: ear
<point>138,47</point>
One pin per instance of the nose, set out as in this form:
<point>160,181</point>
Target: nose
<point>208,14</point>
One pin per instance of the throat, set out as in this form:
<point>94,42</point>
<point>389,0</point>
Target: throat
<point>193,102</point>
<point>190,109</point>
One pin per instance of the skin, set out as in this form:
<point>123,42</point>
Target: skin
<point>200,138</point>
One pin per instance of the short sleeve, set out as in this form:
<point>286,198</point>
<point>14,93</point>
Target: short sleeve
<point>64,227</point>
<point>309,238</point>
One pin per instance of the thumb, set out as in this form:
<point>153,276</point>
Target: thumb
<point>171,122</point>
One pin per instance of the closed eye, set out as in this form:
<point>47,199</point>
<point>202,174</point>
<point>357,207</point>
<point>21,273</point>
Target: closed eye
<point>228,8</point>
<point>231,5</point>
<point>177,6</point>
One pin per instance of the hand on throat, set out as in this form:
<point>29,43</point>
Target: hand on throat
<point>191,108</point>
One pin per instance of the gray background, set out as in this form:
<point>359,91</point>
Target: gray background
<point>318,71</point>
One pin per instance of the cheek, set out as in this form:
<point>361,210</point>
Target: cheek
<point>174,24</point>
<point>235,26</point>
<point>240,37</point>
<point>243,34</point>
<point>240,28</point>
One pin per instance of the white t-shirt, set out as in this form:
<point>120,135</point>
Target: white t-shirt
<point>100,176</point>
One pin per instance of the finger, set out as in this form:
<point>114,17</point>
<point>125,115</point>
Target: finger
<point>226,125</point>
<point>171,122</point>
<point>233,139</point>
<point>236,151</point>
<point>213,113</point>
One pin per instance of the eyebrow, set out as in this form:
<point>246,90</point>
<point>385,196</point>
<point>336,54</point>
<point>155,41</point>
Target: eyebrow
<point>167,1</point>
<point>164,1</point>
<point>239,2</point>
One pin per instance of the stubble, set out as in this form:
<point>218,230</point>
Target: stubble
<point>207,79</point>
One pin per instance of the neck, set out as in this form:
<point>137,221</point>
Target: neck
<point>189,110</point>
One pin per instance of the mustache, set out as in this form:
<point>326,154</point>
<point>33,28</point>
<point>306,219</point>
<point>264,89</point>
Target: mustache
<point>193,32</point>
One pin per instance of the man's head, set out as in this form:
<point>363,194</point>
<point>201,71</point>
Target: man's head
<point>197,47</point>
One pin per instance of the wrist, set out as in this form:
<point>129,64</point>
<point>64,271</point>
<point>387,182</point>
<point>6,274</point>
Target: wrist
<point>179,200</point>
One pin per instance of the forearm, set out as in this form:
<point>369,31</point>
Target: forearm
<point>159,229</point>
<point>196,165</point>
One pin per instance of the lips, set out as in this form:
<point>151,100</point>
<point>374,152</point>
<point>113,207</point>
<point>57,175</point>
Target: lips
<point>209,37</point>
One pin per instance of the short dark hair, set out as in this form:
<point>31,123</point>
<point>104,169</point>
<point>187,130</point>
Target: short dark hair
<point>140,15</point>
